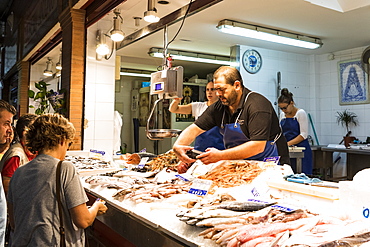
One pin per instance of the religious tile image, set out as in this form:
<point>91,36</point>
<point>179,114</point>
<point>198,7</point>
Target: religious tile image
<point>353,83</point>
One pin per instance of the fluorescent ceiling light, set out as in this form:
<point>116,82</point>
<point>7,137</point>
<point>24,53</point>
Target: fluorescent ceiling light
<point>268,34</point>
<point>134,72</point>
<point>192,56</point>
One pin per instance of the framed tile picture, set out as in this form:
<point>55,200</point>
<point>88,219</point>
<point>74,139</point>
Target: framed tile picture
<point>353,83</point>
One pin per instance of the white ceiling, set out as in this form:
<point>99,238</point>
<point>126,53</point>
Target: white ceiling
<point>339,30</point>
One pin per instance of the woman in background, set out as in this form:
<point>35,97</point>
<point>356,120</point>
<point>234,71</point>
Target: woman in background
<point>17,155</point>
<point>210,138</point>
<point>32,202</point>
<point>294,123</point>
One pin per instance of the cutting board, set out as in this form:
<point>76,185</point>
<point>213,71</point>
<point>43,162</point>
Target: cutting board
<point>315,191</point>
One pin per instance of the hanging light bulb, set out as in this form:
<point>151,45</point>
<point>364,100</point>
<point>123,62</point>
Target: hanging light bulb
<point>116,34</point>
<point>151,14</point>
<point>101,47</point>
<point>48,72</point>
<point>58,65</point>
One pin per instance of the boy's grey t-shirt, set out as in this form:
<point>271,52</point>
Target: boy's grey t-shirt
<point>32,193</point>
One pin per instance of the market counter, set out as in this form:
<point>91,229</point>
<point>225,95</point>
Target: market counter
<point>142,225</point>
<point>357,159</point>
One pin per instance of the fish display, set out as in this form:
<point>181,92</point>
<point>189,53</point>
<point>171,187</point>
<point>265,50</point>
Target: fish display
<point>88,163</point>
<point>233,173</point>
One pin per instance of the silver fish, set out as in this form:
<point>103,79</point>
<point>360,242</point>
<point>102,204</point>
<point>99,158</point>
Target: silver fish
<point>217,221</point>
<point>220,213</point>
<point>245,206</point>
<point>192,222</point>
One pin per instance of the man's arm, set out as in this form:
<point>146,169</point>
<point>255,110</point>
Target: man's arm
<point>182,143</point>
<point>243,151</point>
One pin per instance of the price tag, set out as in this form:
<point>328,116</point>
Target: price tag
<point>96,154</point>
<point>282,208</point>
<point>143,162</point>
<point>200,187</point>
<point>272,160</point>
<point>183,177</point>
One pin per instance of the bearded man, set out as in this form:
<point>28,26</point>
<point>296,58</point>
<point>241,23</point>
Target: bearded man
<point>247,121</point>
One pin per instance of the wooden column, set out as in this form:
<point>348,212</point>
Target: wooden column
<point>73,62</point>
<point>23,85</point>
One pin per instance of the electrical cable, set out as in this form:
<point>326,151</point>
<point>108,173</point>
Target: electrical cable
<point>113,47</point>
<point>182,24</point>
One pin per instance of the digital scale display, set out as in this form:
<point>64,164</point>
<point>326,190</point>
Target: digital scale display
<point>159,86</point>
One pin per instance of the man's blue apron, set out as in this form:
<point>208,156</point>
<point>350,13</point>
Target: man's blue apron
<point>210,138</point>
<point>234,136</point>
<point>291,129</point>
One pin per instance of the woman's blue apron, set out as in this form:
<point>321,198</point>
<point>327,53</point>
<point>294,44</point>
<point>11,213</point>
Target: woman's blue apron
<point>291,129</point>
<point>210,138</point>
<point>234,136</point>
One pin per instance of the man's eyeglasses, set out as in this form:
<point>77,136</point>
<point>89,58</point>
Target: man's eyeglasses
<point>70,144</point>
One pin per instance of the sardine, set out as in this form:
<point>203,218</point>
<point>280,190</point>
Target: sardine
<point>184,218</point>
<point>193,213</point>
<point>192,222</point>
<point>220,213</point>
<point>244,206</point>
<point>217,221</point>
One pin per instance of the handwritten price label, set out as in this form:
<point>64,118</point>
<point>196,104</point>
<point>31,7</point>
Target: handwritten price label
<point>200,187</point>
<point>143,162</point>
<point>273,160</point>
<point>96,154</point>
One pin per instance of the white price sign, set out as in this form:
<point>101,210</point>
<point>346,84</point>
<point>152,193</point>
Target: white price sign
<point>200,187</point>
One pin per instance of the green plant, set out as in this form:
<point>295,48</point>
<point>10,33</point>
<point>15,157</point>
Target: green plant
<point>347,118</point>
<point>45,99</point>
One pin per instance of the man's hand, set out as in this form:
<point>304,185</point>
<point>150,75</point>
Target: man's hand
<point>211,155</point>
<point>180,151</point>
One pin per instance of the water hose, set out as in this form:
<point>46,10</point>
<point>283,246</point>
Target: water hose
<point>313,128</point>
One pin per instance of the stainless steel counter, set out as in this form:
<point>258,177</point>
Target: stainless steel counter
<point>297,153</point>
<point>357,159</point>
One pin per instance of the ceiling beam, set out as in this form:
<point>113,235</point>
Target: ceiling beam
<point>167,20</point>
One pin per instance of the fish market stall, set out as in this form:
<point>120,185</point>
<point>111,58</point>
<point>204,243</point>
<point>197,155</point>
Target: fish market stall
<point>246,203</point>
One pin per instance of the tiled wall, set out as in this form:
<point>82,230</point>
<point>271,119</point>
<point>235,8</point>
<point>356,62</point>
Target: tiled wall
<point>99,96</point>
<point>327,98</point>
<point>313,80</point>
<point>295,75</point>
<point>294,69</point>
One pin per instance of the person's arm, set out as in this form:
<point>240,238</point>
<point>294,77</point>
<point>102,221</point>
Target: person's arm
<point>9,168</point>
<point>182,143</point>
<point>83,216</point>
<point>303,126</point>
<point>6,182</point>
<point>181,109</point>
<point>240,152</point>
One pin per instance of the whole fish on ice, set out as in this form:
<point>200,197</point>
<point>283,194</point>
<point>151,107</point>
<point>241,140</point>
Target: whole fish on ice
<point>245,206</point>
